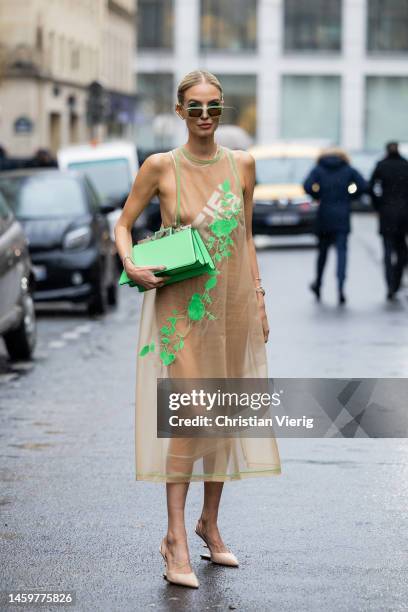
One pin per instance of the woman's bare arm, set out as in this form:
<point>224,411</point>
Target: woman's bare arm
<point>246,163</point>
<point>145,186</point>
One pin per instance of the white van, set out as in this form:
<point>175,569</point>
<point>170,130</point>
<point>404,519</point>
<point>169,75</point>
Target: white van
<point>111,166</point>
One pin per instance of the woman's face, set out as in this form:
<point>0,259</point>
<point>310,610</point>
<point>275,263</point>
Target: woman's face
<point>199,95</point>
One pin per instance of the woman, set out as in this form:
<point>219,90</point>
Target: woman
<point>203,327</point>
<point>334,182</point>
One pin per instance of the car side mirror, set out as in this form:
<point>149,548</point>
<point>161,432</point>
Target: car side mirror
<point>107,208</point>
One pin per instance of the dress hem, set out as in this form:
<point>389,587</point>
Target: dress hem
<point>157,477</point>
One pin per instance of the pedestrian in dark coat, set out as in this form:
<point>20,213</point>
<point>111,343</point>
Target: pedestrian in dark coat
<point>334,182</point>
<point>389,190</point>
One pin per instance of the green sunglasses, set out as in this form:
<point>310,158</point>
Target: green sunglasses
<point>213,110</point>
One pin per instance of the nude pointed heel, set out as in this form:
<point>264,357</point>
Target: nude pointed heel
<point>220,558</point>
<point>188,580</point>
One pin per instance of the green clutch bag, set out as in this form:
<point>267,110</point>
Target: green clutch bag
<point>180,249</point>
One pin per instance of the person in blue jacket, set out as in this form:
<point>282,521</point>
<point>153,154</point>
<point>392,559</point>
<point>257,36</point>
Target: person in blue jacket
<point>334,182</point>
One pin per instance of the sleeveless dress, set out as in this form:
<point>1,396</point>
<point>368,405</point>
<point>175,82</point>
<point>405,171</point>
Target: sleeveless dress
<point>203,327</point>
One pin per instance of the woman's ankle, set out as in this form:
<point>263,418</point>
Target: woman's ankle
<point>174,536</point>
<point>208,521</point>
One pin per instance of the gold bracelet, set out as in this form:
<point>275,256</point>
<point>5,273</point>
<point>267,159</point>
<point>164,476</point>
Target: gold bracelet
<point>260,289</point>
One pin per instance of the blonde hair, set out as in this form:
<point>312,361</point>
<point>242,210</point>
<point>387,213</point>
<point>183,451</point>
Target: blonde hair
<point>338,151</point>
<point>194,78</point>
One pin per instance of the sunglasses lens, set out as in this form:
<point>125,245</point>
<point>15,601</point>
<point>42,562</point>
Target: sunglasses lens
<point>195,112</point>
<point>214,111</point>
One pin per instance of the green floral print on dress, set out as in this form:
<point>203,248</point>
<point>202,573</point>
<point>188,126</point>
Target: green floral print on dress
<point>198,307</point>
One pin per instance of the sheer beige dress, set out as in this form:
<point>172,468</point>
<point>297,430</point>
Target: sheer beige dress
<point>203,327</point>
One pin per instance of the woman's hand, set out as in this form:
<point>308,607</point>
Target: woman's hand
<point>262,314</point>
<point>143,275</point>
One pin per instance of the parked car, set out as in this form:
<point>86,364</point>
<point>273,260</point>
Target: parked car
<point>151,214</point>
<point>17,314</point>
<point>70,245</point>
<point>112,167</point>
<point>281,206</point>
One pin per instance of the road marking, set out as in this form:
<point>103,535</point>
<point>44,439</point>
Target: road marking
<point>70,335</point>
<point>73,334</point>
<point>7,377</point>
<point>56,344</point>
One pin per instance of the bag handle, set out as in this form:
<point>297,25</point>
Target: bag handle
<point>162,232</point>
<point>177,164</point>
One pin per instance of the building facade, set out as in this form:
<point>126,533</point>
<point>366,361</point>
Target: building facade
<point>320,69</point>
<point>50,52</point>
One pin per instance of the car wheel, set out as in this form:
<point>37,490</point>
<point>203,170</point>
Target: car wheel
<point>98,304</point>
<point>112,295</point>
<point>20,342</point>
<point>118,263</point>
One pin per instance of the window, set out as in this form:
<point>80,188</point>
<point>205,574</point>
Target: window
<point>6,216</point>
<point>312,25</point>
<point>240,94</point>
<point>93,196</point>
<point>74,56</point>
<point>111,178</point>
<point>311,107</point>
<point>387,26</point>
<point>155,24</point>
<point>155,117</point>
<point>43,197</point>
<point>51,51</point>
<point>62,54</point>
<point>386,110</point>
<point>226,28</point>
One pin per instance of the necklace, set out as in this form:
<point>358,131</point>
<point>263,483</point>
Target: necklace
<point>198,160</point>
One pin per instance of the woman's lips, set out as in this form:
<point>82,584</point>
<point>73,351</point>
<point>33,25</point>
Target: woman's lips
<point>205,126</point>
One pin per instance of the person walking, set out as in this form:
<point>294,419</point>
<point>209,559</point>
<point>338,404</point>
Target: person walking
<point>209,326</point>
<point>334,182</point>
<point>389,191</point>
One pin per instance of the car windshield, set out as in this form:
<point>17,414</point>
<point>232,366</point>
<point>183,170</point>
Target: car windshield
<point>283,170</point>
<point>43,197</point>
<point>110,177</point>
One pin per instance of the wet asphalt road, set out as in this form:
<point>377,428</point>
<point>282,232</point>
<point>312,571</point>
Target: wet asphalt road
<point>329,534</point>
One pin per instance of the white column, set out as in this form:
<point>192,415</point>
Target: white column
<point>270,38</point>
<point>353,85</point>
<point>186,48</point>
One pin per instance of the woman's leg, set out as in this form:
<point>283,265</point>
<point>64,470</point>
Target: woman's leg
<point>207,523</point>
<point>341,247</point>
<point>178,557</point>
<point>324,245</point>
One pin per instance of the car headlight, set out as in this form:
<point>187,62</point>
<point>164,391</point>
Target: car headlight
<point>77,239</point>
